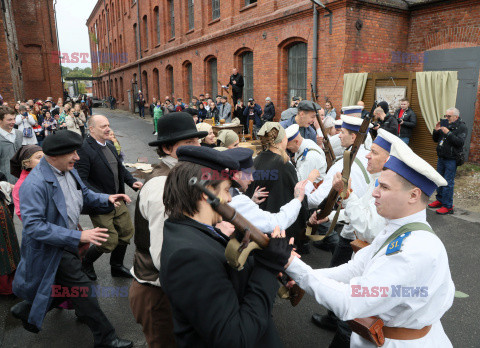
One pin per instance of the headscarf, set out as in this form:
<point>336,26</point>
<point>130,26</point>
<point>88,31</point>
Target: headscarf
<point>227,137</point>
<point>23,153</point>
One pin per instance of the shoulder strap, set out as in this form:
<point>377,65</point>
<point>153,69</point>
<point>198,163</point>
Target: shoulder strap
<point>413,226</point>
<point>364,171</point>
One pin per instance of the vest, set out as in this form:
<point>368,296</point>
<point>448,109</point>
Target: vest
<point>142,262</point>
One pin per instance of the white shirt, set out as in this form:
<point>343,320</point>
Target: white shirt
<point>264,220</point>
<point>152,209</point>
<point>10,136</point>
<point>312,160</point>
<point>336,145</point>
<point>26,123</point>
<point>360,213</point>
<point>359,186</point>
<point>421,263</point>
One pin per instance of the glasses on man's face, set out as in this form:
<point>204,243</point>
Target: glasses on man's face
<point>447,116</point>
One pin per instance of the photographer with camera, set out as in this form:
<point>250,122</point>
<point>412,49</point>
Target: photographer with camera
<point>450,134</point>
<point>75,120</point>
<point>407,120</point>
<point>292,110</point>
<point>253,111</point>
<point>383,119</point>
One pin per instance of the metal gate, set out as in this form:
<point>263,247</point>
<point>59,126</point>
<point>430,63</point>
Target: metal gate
<point>466,61</point>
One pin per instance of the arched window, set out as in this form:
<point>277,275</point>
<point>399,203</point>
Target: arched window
<point>247,64</point>
<point>211,76</point>
<point>188,77</point>
<point>156,84</point>
<point>170,81</point>
<point>122,98</point>
<point>157,24</point>
<point>116,89</point>
<point>145,85</point>
<point>136,39</point>
<point>171,21</point>
<point>297,70</point>
<point>191,17</point>
<point>145,33</point>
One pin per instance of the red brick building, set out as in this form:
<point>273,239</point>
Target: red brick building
<point>27,43</point>
<point>183,47</point>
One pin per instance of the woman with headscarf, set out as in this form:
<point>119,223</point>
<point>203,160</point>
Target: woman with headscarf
<point>24,160</point>
<point>227,138</point>
<point>9,247</point>
<point>274,171</point>
<point>210,140</point>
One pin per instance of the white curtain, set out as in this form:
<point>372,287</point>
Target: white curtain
<point>437,92</point>
<point>353,88</point>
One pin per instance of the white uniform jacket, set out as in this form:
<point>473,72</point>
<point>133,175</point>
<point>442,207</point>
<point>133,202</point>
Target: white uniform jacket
<point>359,186</point>
<point>152,209</point>
<point>360,213</point>
<point>264,220</point>
<point>309,157</point>
<point>416,282</point>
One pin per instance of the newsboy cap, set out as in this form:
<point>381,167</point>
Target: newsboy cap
<point>61,143</point>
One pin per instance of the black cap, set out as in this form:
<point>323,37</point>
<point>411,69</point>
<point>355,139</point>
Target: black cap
<point>224,97</point>
<point>384,105</point>
<point>242,155</point>
<point>176,126</point>
<point>191,111</point>
<point>61,143</point>
<point>295,98</point>
<point>306,105</point>
<point>207,157</point>
<point>251,99</point>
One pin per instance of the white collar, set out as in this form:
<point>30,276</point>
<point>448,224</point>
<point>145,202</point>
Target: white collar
<point>99,143</point>
<point>7,132</point>
<point>169,161</point>
<point>420,216</point>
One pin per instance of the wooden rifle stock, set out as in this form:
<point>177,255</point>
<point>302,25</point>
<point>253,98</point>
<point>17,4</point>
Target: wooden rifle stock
<point>249,232</point>
<point>327,146</point>
<point>327,205</point>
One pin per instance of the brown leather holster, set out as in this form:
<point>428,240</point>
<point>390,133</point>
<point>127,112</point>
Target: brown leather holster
<point>373,330</point>
<point>358,244</point>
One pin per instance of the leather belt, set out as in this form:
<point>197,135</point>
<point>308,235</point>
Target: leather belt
<point>401,333</point>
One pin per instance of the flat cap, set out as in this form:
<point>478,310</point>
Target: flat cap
<point>61,143</point>
<point>306,105</point>
<point>207,157</point>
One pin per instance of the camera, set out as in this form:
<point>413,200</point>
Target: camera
<point>76,114</point>
<point>444,122</point>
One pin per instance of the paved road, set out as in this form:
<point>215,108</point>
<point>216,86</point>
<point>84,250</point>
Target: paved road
<point>461,236</point>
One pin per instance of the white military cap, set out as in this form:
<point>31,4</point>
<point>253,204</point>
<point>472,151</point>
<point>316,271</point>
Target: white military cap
<point>354,110</point>
<point>352,123</point>
<point>413,168</point>
<point>292,131</point>
<point>338,123</point>
<point>385,139</point>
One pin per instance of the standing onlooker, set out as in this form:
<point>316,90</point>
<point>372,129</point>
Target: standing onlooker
<point>73,121</point>
<point>236,80</point>
<point>238,113</point>
<point>102,171</point>
<point>141,104</point>
<point>169,107</point>
<point>81,117</point>
<point>364,112</point>
<point>225,110</point>
<point>330,110</point>
<point>384,119</point>
<point>292,110</point>
<point>450,136</point>
<point>179,106</point>
<point>49,124</point>
<point>269,111</point>
<point>21,164</point>
<point>114,141</point>
<point>62,117</point>
<point>213,112</point>
<point>25,123</point>
<point>90,105</point>
<point>10,141</point>
<point>152,106</point>
<point>113,101</point>
<point>253,111</point>
<point>202,112</point>
<point>157,113</point>
<point>407,120</point>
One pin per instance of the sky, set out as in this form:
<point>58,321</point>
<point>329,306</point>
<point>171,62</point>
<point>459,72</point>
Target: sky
<point>72,16</point>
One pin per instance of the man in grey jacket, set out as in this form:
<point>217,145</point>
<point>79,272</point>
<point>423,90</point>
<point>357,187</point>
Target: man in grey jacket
<point>225,110</point>
<point>10,141</point>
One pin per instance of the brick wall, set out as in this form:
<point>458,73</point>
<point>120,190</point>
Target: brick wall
<point>6,85</point>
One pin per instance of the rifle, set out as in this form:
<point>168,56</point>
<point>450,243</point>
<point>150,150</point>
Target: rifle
<point>329,202</point>
<point>327,146</point>
<point>236,253</point>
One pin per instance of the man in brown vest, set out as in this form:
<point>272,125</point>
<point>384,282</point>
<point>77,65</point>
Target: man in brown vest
<point>148,302</point>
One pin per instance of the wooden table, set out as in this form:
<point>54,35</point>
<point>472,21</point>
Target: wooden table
<point>236,128</point>
<point>255,145</point>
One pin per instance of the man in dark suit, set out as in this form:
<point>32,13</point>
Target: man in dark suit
<point>102,171</point>
<point>407,120</point>
<point>236,80</point>
<point>213,304</point>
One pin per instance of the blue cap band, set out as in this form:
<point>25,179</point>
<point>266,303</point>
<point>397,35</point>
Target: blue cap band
<point>383,143</point>
<point>338,126</point>
<point>352,111</point>
<point>350,126</point>
<point>412,176</point>
<point>293,136</point>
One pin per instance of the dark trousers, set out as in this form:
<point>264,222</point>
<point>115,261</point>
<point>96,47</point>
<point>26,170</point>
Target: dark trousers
<point>342,254</point>
<point>446,168</point>
<point>141,111</point>
<point>69,275</point>
<point>235,97</point>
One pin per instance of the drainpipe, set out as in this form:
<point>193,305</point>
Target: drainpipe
<point>315,49</point>
<point>109,53</point>
<point>139,47</point>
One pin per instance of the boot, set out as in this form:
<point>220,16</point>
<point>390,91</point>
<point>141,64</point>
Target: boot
<point>22,311</point>
<point>92,254</point>
<point>116,262</point>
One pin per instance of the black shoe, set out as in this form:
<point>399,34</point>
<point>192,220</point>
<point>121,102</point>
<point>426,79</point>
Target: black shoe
<point>116,343</point>
<point>91,256</point>
<point>303,248</point>
<point>21,311</point>
<point>325,322</point>
<point>116,262</point>
<point>120,271</point>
